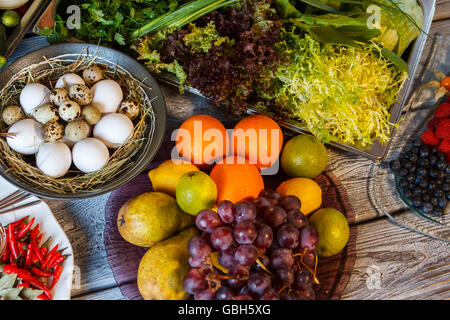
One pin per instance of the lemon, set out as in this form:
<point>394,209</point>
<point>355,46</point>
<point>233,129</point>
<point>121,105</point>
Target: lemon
<point>307,190</point>
<point>333,230</point>
<point>196,191</point>
<point>10,18</point>
<point>304,156</point>
<point>165,178</point>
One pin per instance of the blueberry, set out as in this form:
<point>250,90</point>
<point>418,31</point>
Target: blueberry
<point>417,203</point>
<point>424,152</point>
<point>413,157</point>
<point>441,156</point>
<point>434,201</point>
<point>433,159</point>
<point>447,178</point>
<point>416,143</point>
<point>432,173</point>
<point>395,165</point>
<point>440,175</point>
<point>411,177</point>
<point>439,182</point>
<point>423,162</point>
<point>445,187</point>
<point>403,183</point>
<point>442,203</point>
<point>406,163</point>
<point>447,170</point>
<point>439,193</point>
<point>427,208</point>
<point>421,171</point>
<point>416,191</point>
<point>412,187</point>
<point>409,194</point>
<point>426,197</point>
<point>441,164</point>
<point>433,150</point>
<point>423,183</point>
<point>403,172</point>
<point>438,212</point>
<point>432,186</point>
<point>448,195</point>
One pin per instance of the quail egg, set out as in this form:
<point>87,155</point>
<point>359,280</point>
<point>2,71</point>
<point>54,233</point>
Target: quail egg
<point>114,130</point>
<point>90,155</point>
<point>91,115</point>
<point>129,108</point>
<point>12,114</point>
<point>58,96</point>
<point>53,131</point>
<point>54,159</point>
<point>34,95</point>
<point>77,130</point>
<point>25,136</point>
<point>80,94</point>
<point>92,75</point>
<point>45,113</point>
<point>69,110</point>
<point>107,96</point>
<point>68,80</point>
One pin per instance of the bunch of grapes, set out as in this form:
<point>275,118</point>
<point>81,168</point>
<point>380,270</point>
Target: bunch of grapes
<point>259,250</point>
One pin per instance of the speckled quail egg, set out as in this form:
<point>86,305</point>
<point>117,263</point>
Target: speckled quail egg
<point>34,95</point>
<point>53,131</point>
<point>80,94</point>
<point>69,110</point>
<point>54,159</point>
<point>26,136</point>
<point>45,113</point>
<point>68,80</point>
<point>129,108</point>
<point>91,115</point>
<point>58,96</point>
<point>114,130</point>
<point>107,96</point>
<point>92,75</point>
<point>77,130</point>
<point>90,155</point>
<point>12,114</point>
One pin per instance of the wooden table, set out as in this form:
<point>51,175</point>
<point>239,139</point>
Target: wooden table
<point>409,265</point>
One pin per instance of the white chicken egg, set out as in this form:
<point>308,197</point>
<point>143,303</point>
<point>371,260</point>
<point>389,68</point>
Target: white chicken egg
<point>34,95</point>
<point>26,136</point>
<point>114,130</point>
<point>54,159</point>
<point>68,80</point>
<point>107,96</point>
<point>90,155</point>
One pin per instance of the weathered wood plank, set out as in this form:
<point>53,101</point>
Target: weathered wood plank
<point>442,10</point>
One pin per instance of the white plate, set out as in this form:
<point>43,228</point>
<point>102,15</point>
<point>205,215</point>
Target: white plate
<point>50,227</point>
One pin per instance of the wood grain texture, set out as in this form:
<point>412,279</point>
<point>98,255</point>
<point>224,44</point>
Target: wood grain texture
<point>442,10</point>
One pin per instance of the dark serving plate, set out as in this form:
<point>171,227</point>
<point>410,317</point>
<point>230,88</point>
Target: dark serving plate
<point>113,58</point>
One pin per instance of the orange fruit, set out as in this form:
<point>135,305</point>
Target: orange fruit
<point>202,140</point>
<point>236,180</point>
<point>254,137</point>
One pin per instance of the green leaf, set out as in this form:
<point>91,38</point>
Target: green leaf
<point>395,59</point>
<point>320,5</point>
<point>119,39</point>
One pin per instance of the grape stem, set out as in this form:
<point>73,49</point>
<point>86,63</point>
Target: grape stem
<point>302,254</point>
<point>264,267</point>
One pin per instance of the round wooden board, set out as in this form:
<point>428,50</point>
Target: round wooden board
<point>124,258</point>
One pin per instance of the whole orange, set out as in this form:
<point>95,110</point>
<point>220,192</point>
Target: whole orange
<point>237,180</point>
<point>259,139</point>
<point>202,140</point>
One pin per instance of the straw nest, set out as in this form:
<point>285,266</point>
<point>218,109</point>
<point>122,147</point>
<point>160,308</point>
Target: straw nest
<point>121,160</point>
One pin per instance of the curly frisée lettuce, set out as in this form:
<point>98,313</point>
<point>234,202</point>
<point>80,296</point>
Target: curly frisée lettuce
<point>340,93</point>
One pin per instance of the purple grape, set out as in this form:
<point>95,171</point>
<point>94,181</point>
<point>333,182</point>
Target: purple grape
<point>245,211</point>
<point>226,211</point>
<point>309,258</point>
<point>275,216</point>
<point>240,274</point>
<point>281,258</point>
<point>273,196</point>
<point>264,260</point>
<point>224,293</point>
<point>208,220</point>
<point>246,254</point>
<point>291,296</point>
<point>290,203</point>
<point>243,297</point>
<point>264,238</point>
<point>194,281</point>
<point>288,236</point>
<point>261,204</point>
<point>308,294</point>
<point>222,238</point>
<point>284,275</point>
<point>270,295</point>
<point>297,219</point>
<point>205,295</point>
<point>259,283</point>
<point>195,263</point>
<point>309,237</point>
<point>226,257</point>
<point>303,280</point>
<point>245,232</point>
<point>199,248</point>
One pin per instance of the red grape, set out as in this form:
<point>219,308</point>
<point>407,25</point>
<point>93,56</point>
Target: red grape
<point>290,203</point>
<point>309,258</point>
<point>238,272</point>
<point>284,275</point>
<point>273,196</point>
<point>275,216</point>
<point>264,238</point>
<point>226,257</point>
<point>270,295</point>
<point>205,295</point>
<point>226,211</point>
<point>207,220</point>
<point>303,280</point>
<point>291,296</point>
<point>245,211</point>
<point>308,294</point>
<point>194,281</point>
<point>296,218</point>
<point>246,254</point>
<point>195,263</point>
<point>243,297</point>
<point>259,283</point>
<point>288,236</point>
<point>199,248</point>
<point>224,293</point>
<point>245,232</point>
<point>222,238</point>
<point>261,204</point>
<point>281,258</point>
<point>309,237</point>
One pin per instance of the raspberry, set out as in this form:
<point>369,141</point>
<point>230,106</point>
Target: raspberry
<point>429,138</point>
<point>444,147</point>
<point>443,129</point>
<point>443,111</point>
<point>433,123</point>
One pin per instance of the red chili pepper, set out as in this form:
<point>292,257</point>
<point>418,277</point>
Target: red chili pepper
<point>38,272</point>
<point>43,297</point>
<point>28,257</point>
<point>36,251</point>
<point>5,256</point>
<point>24,230</point>
<point>15,224</point>
<point>57,261</point>
<point>27,277</point>
<point>56,256</point>
<point>49,257</point>
<point>56,275</point>
<point>23,284</point>
<point>39,238</point>
<point>34,232</point>
<point>12,242</point>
